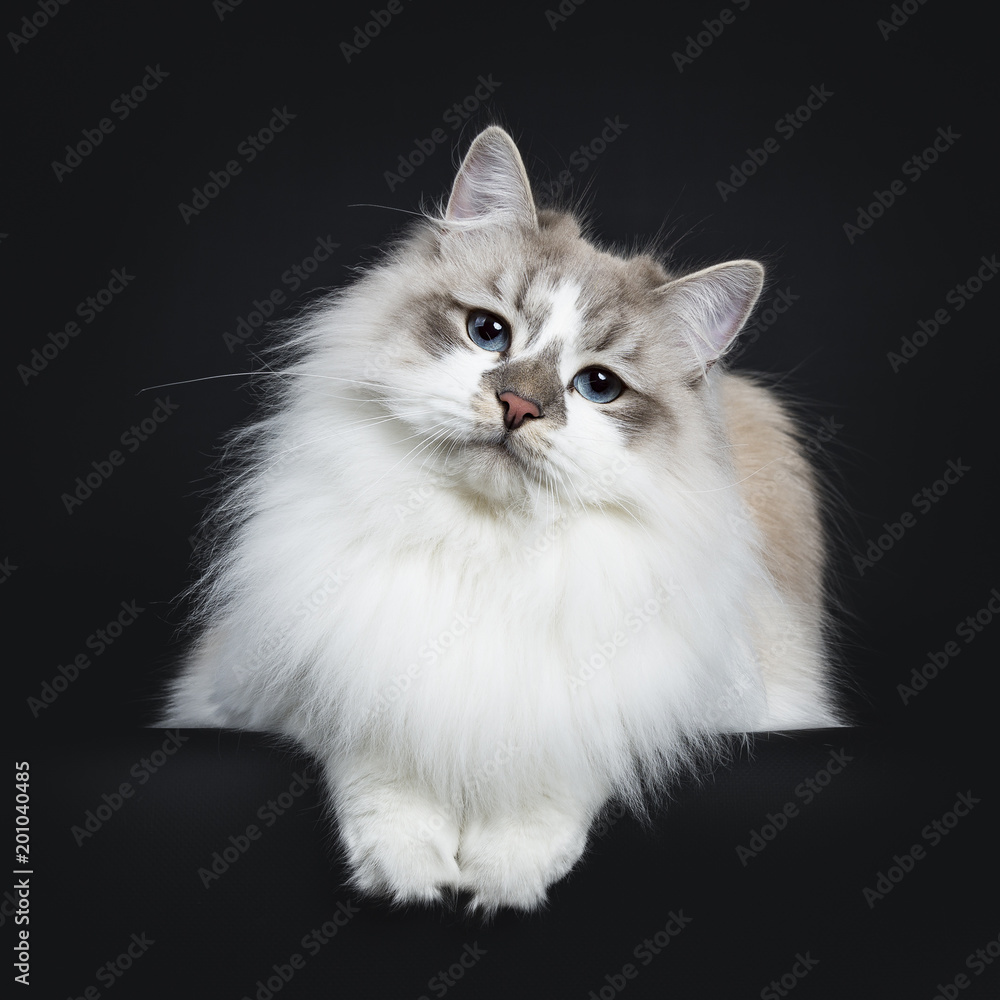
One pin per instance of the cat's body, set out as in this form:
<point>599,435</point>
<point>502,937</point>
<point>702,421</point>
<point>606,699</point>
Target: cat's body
<point>510,544</point>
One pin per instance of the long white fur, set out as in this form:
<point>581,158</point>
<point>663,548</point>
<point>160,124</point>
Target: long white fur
<point>479,665</point>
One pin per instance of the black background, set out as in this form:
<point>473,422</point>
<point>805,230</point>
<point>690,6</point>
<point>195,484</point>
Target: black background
<point>555,83</point>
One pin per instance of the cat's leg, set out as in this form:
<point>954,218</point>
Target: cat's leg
<point>209,691</point>
<point>220,686</point>
<point>510,859</point>
<point>399,839</point>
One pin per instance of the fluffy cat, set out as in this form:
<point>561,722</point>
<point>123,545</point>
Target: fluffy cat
<point>510,543</point>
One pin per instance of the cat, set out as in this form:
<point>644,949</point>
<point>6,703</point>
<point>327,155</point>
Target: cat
<point>511,544</point>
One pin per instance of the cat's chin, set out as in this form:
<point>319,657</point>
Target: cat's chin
<point>496,471</point>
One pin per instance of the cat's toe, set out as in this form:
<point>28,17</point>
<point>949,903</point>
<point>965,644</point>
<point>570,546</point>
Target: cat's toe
<point>512,862</point>
<point>408,857</point>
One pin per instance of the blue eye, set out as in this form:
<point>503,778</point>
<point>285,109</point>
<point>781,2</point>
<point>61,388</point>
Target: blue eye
<point>488,331</point>
<point>598,385</point>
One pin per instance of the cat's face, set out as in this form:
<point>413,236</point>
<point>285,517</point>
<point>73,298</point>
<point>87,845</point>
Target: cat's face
<point>541,360</point>
<point>530,364</point>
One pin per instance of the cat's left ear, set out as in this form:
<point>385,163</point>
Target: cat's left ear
<point>492,182</point>
<point>712,305</point>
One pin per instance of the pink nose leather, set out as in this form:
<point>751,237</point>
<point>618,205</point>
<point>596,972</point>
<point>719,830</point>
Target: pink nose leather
<point>517,409</point>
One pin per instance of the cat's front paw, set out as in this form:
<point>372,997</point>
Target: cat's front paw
<point>510,861</point>
<point>400,845</point>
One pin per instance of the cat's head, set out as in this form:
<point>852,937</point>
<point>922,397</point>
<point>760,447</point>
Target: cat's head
<point>525,359</point>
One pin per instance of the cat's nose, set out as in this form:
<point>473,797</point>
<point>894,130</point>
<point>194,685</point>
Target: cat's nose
<point>517,409</point>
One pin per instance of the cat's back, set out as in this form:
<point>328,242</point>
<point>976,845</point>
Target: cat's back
<point>777,484</point>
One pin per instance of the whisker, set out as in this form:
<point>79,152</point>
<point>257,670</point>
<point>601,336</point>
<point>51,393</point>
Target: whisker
<point>437,431</point>
<point>388,208</point>
<point>719,489</point>
<point>276,373</point>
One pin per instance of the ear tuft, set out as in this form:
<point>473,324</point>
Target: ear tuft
<point>492,181</point>
<point>713,305</point>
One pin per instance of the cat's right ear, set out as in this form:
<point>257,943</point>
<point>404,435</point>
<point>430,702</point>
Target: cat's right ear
<point>712,305</point>
<point>492,183</point>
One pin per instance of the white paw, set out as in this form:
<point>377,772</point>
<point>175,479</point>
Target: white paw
<point>399,845</point>
<point>512,860</point>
